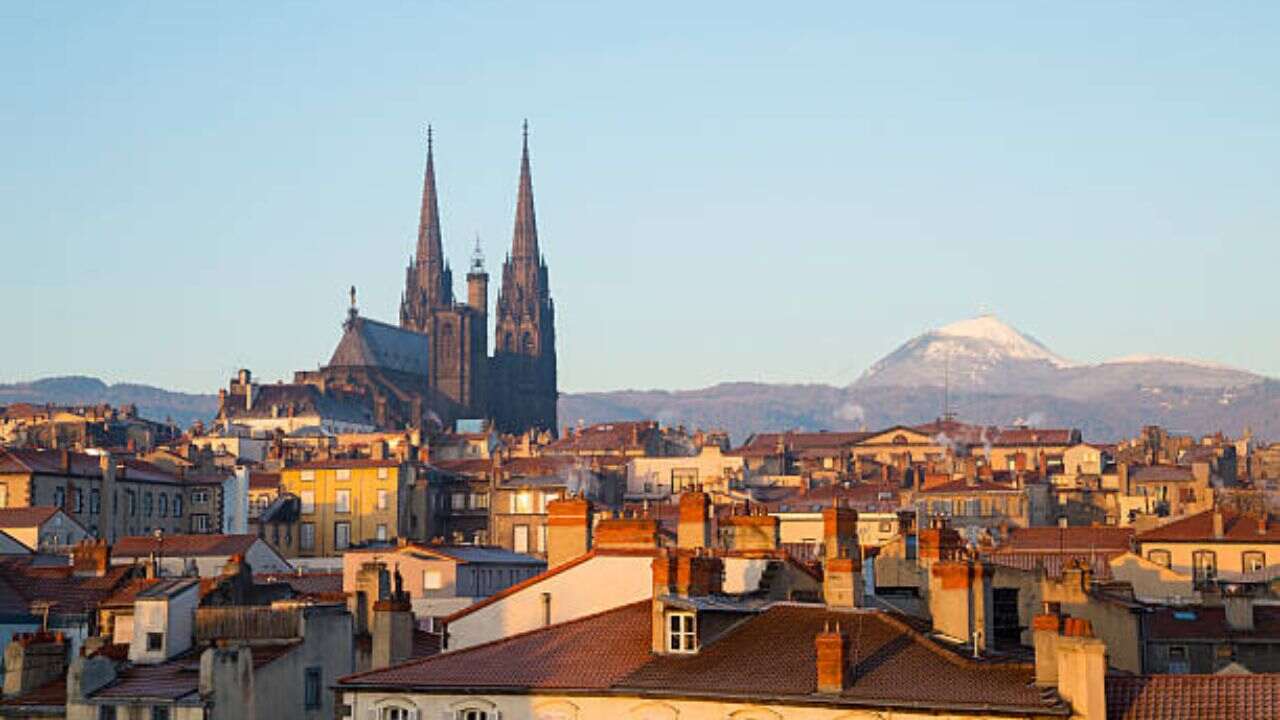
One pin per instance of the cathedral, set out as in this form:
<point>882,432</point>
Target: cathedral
<point>435,367</point>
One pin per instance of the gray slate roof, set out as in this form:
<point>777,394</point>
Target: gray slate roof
<point>369,343</point>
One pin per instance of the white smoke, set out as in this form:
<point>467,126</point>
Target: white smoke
<point>852,412</point>
<point>1035,419</point>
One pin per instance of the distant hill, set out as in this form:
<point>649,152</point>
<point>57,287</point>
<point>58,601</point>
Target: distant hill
<point>153,403</point>
<point>994,373</point>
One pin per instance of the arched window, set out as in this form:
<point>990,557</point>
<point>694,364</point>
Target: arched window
<point>508,344</point>
<point>395,712</point>
<point>526,343</point>
<point>899,439</point>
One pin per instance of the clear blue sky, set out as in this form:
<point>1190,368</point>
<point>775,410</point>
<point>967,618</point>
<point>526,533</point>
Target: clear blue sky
<point>773,191</point>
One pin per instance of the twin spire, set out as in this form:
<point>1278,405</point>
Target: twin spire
<point>431,264</point>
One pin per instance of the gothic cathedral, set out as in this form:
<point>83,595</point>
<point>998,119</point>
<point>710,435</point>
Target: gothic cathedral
<point>516,388</point>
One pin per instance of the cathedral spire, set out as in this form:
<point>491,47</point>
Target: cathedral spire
<point>524,241</point>
<point>430,259</point>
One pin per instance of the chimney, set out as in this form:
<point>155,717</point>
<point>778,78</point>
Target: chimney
<point>1238,610</point>
<point>1217,523</point>
<point>1044,633</point>
<point>1081,661</point>
<point>90,558</point>
<point>750,532</point>
<point>682,575</point>
<point>960,599</point>
<point>1020,462</point>
<point>831,648</point>
<point>626,534</point>
<point>107,466</point>
<point>32,660</point>
<point>372,584</point>
<point>842,582</point>
<point>840,532</point>
<point>568,530</point>
<point>248,390</point>
<point>392,630</point>
<point>694,529</point>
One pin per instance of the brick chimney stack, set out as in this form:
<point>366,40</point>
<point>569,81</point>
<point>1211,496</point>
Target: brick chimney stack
<point>568,530</point>
<point>840,532</point>
<point>694,529</point>
<point>831,648</point>
<point>90,558</point>
<point>626,534</point>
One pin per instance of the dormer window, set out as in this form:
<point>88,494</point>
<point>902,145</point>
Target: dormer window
<point>682,632</point>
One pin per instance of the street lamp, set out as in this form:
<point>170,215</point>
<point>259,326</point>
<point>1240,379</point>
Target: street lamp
<point>159,535</point>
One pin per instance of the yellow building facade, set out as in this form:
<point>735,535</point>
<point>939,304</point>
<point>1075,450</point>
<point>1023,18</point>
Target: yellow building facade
<point>347,503</point>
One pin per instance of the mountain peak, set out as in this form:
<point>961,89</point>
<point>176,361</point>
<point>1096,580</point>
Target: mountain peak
<point>1002,338</point>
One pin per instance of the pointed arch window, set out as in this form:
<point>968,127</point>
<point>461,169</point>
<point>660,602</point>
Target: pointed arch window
<point>526,343</point>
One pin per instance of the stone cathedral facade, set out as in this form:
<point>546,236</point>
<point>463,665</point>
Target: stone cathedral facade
<point>457,378</point>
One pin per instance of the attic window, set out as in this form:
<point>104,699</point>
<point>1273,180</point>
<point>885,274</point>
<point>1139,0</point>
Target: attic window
<point>682,635</point>
<point>155,641</point>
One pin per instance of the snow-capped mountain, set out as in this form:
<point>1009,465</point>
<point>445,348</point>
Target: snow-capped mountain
<point>987,355</point>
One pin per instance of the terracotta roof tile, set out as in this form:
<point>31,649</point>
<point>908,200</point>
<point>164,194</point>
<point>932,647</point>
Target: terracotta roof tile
<point>769,655</point>
<point>136,546</point>
<point>26,517</point>
<point>1193,697</point>
<point>1236,527</point>
<point>1076,539</point>
<point>51,694</point>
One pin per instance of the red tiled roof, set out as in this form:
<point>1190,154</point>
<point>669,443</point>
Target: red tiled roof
<point>464,465</point>
<point>863,497</point>
<point>1068,539</point>
<point>49,462</point>
<point>961,487</point>
<point>817,443</point>
<point>1161,473</point>
<point>259,480</point>
<point>1199,528</point>
<point>1053,562</point>
<point>1193,697</point>
<point>51,694</point>
<point>767,656</point>
<point>22,584</point>
<point>991,435</point>
<point>26,517</point>
<point>183,545</point>
<point>606,436</point>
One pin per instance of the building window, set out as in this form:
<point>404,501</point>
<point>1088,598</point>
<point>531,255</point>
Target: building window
<point>106,712</point>
<point>59,497</point>
<point>95,501</point>
<point>79,500</point>
<point>341,535</point>
<point>383,473</point>
<point>384,499</point>
<point>177,506</point>
<point>684,479</point>
<point>163,506</point>
<point>480,501</point>
<point>311,688</point>
<point>1160,557</point>
<point>395,712</point>
<point>132,498</point>
<point>432,580</point>
<point>307,537</point>
<point>159,712</point>
<point>682,636</point>
<point>459,501</point>
<point>200,523</point>
<point>542,538</point>
<point>1178,664</point>
<point>381,532</point>
<point>522,503</point>
<point>147,504</point>
<point>1204,564</point>
<point>308,500</point>
<point>308,475</point>
<point>1253,561</point>
<point>199,497</point>
<point>343,474</point>
<point>520,538</point>
<point>342,501</point>
<point>473,715</point>
<point>155,642</point>
<point>4,496</point>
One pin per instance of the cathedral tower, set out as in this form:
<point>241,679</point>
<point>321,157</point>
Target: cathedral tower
<point>523,369</point>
